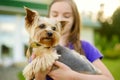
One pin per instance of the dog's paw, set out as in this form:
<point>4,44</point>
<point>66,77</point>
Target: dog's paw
<point>28,72</point>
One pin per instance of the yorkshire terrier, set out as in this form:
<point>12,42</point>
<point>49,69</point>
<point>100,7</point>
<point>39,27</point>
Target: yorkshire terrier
<point>44,35</point>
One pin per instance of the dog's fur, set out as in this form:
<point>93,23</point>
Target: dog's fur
<point>44,38</point>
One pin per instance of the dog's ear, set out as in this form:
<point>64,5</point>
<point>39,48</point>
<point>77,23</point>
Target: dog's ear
<point>28,53</point>
<point>30,16</point>
<point>63,23</point>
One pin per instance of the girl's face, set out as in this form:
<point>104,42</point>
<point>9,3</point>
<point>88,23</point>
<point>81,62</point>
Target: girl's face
<point>61,11</point>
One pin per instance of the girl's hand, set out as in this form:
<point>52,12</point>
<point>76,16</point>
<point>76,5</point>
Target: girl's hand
<point>62,73</point>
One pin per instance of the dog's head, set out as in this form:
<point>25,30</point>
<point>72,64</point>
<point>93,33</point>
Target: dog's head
<point>42,30</point>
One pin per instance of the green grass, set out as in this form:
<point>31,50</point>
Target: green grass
<point>20,76</point>
<point>114,66</point>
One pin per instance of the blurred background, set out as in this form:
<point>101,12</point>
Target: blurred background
<point>101,27</point>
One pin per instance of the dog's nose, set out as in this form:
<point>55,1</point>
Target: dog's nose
<point>49,34</point>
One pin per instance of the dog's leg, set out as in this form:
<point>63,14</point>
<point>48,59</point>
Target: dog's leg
<point>28,72</point>
<point>41,64</point>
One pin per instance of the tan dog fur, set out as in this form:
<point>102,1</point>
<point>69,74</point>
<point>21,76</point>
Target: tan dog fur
<point>45,32</point>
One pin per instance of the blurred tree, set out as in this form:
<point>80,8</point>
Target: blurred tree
<point>107,38</point>
<point>110,26</point>
<point>116,22</point>
<point>100,15</point>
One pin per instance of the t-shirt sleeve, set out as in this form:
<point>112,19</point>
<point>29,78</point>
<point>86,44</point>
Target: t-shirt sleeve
<point>91,52</point>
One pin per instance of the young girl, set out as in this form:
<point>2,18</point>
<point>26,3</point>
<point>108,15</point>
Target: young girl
<point>66,10</point>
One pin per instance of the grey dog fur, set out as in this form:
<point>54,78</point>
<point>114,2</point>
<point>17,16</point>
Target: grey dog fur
<point>75,62</point>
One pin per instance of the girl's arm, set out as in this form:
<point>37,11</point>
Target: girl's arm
<point>65,73</point>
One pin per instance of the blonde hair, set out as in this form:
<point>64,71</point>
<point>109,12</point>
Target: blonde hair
<point>74,36</point>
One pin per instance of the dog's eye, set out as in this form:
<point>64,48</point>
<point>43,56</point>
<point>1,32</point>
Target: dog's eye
<point>42,26</point>
<point>54,28</point>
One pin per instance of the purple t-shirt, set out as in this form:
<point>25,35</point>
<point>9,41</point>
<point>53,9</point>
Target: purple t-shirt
<point>91,52</point>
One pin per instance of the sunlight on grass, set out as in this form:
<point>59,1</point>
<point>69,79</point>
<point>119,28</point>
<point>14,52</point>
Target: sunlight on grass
<point>114,66</point>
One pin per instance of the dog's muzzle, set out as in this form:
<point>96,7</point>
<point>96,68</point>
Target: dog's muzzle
<point>49,34</point>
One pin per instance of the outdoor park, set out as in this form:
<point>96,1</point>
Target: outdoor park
<point>101,27</point>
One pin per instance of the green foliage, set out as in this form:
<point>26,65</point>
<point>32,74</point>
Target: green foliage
<point>109,48</point>
<point>116,18</point>
<point>108,36</point>
<point>110,26</point>
<point>116,22</point>
<point>113,54</point>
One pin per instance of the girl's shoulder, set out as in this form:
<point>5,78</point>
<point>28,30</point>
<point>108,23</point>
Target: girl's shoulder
<point>87,45</point>
<point>91,52</point>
